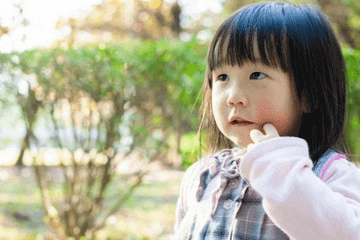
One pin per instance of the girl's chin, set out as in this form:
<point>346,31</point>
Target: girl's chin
<point>242,144</point>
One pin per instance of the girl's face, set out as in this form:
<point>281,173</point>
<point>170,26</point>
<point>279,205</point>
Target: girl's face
<point>258,94</point>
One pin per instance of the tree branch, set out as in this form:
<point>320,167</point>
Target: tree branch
<point>50,210</point>
<point>124,198</point>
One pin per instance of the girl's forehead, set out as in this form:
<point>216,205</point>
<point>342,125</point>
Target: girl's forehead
<point>258,65</point>
<point>227,50</point>
<point>227,44</point>
<point>255,60</point>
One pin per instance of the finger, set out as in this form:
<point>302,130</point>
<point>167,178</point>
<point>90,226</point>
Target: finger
<point>270,130</point>
<point>256,135</point>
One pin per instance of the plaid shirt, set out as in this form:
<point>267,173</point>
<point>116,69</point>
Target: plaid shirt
<point>233,211</point>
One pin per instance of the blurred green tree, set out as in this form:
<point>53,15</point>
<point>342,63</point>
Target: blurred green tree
<point>94,98</point>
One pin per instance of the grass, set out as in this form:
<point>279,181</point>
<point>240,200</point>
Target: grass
<point>148,214</point>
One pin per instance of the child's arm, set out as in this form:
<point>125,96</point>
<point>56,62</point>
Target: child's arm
<point>301,204</point>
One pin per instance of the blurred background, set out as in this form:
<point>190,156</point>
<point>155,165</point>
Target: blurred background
<point>99,104</point>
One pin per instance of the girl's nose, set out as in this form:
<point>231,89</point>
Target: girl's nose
<point>236,98</point>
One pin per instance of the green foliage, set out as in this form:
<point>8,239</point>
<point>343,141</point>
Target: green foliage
<point>156,83</point>
<point>189,146</point>
<point>94,98</point>
<point>352,59</point>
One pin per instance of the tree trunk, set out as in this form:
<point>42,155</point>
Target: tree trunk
<point>24,145</point>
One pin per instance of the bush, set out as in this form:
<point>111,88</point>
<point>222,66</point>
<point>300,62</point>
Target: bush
<point>352,59</point>
<point>98,104</point>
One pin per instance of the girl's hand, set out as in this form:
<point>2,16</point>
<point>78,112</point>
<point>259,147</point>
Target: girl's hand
<point>257,136</point>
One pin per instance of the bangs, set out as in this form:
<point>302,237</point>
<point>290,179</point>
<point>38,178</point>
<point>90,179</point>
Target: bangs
<point>251,35</point>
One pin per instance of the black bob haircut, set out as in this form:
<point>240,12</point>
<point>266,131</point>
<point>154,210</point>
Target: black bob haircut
<point>299,40</point>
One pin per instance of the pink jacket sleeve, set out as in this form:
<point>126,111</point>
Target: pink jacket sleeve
<point>297,201</point>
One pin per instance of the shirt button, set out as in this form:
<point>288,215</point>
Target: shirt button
<point>228,204</point>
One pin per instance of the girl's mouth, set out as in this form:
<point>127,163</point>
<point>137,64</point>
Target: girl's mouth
<point>236,122</point>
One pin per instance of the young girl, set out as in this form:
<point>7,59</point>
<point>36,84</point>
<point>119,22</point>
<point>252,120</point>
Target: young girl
<point>274,101</point>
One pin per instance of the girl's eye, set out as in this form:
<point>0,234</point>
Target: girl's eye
<point>223,77</point>
<point>257,75</point>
